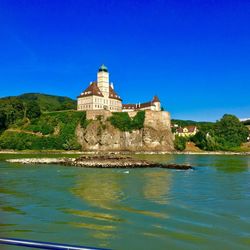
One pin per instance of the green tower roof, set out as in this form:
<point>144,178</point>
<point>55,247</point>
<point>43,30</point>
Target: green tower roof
<point>103,68</point>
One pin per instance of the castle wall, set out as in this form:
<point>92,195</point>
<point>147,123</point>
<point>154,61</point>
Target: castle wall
<point>157,119</point>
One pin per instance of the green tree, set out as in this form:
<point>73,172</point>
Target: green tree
<point>180,143</point>
<point>2,120</point>
<point>230,132</point>
<point>226,134</point>
<point>32,109</point>
<point>200,139</point>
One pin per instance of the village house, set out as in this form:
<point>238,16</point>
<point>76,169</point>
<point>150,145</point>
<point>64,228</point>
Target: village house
<point>100,95</point>
<point>186,131</point>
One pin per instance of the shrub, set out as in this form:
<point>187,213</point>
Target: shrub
<point>32,109</point>
<point>83,121</point>
<point>123,122</point>
<point>180,143</point>
<point>71,144</point>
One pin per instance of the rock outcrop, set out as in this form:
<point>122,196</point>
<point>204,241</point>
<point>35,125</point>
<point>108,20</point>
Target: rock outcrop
<point>100,135</point>
<point>101,161</point>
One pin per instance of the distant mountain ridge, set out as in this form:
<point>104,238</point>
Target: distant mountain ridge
<point>46,102</point>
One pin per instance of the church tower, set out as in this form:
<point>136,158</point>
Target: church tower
<point>157,103</point>
<point>103,80</point>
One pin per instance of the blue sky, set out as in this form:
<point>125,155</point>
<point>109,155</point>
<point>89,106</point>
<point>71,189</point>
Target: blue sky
<point>194,54</point>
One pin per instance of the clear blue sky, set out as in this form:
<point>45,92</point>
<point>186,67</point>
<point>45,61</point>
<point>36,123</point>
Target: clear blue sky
<point>194,54</point>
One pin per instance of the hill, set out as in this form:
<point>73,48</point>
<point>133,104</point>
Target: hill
<point>51,130</point>
<point>46,102</point>
<point>29,106</point>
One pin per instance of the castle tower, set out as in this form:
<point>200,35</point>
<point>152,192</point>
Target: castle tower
<point>157,103</point>
<point>103,80</point>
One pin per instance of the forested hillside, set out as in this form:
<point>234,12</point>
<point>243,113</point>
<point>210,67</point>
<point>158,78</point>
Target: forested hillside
<point>16,108</point>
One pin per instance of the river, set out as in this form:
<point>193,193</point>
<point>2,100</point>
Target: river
<point>205,208</point>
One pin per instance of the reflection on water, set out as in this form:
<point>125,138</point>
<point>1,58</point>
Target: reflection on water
<point>12,209</point>
<point>132,209</point>
<point>105,192</point>
<point>231,164</point>
<point>97,216</point>
<point>157,186</point>
<point>99,190</point>
<point>94,226</point>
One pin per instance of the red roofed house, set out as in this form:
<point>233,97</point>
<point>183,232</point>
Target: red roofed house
<point>187,131</point>
<point>101,95</point>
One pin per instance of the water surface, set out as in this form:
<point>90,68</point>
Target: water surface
<point>208,208</point>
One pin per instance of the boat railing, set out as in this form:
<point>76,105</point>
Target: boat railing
<point>43,245</point>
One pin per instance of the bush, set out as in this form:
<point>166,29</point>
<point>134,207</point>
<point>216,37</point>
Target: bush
<point>180,143</point>
<point>32,109</point>
<point>72,144</point>
<point>83,121</point>
<point>3,120</point>
<point>206,141</point>
<point>123,122</point>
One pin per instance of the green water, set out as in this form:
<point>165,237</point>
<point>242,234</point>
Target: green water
<point>208,208</point>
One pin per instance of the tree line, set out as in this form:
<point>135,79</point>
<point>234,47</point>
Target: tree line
<point>14,110</point>
<point>227,133</point>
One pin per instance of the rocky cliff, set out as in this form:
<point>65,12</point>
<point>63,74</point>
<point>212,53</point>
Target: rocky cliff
<point>102,136</point>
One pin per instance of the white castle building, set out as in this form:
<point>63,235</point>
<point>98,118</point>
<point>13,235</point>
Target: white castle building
<point>101,95</point>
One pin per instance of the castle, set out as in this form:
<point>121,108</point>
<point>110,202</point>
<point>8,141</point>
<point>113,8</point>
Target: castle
<point>100,95</point>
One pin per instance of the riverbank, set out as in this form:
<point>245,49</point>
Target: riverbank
<point>72,152</point>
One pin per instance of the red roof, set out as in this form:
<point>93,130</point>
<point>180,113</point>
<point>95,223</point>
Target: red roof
<point>156,99</point>
<point>190,128</point>
<point>92,89</point>
<point>137,106</point>
<point>113,95</point>
<point>142,105</point>
<point>129,106</point>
